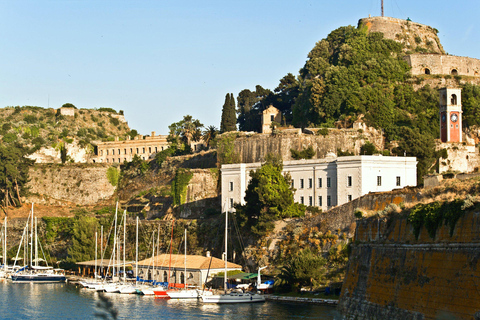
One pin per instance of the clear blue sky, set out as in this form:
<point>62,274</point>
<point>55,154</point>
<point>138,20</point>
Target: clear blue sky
<point>160,60</point>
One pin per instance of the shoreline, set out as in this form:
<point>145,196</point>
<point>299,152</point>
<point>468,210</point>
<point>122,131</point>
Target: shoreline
<point>327,302</point>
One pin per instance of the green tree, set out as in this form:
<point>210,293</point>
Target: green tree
<point>268,197</point>
<point>183,132</point>
<point>83,239</point>
<point>228,122</point>
<point>250,106</point>
<point>209,135</point>
<point>14,168</point>
<point>303,269</point>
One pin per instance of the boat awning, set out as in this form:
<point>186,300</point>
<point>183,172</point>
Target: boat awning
<point>243,276</point>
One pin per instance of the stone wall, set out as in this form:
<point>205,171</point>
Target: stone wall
<point>409,33</point>
<point>74,184</point>
<point>393,275</point>
<point>443,64</point>
<point>255,147</point>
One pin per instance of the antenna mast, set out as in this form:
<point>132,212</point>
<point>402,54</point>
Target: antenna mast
<point>382,9</point>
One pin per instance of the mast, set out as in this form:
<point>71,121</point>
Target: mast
<point>136,254</point>
<point>185,273</point>
<point>226,233</point>
<point>96,245</point>
<point>101,250</point>
<point>114,243</point>
<point>171,246</point>
<point>5,244</point>
<point>124,243</point>
<point>382,9</point>
<point>31,239</point>
<point>36,244</point>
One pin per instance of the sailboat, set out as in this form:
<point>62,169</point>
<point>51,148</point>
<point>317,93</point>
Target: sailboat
<point>184,293</point>
<point>232,297</point>
<point>36,273</point>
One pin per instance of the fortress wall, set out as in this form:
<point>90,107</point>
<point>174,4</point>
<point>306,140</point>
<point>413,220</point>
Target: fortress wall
<point>443,64</point>
<point>392,275</point>
<point>409,33</point>
<point>254,148</point>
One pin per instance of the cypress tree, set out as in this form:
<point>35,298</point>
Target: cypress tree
<point>229,119</point>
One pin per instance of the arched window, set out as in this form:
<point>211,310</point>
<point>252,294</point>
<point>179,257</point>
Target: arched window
<point>182,278</point>
<point>427,71</point>
<point>165,276</point>
<point>453,100</point>
<point>454,72</point>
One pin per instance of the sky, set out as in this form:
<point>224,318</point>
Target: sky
<point>160,60</point>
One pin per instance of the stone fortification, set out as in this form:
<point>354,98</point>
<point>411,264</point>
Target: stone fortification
<point>443,65</point>
<point>392,275</point>
<point>411,34</point>
<point>69,184</point>
<point>254,148</point>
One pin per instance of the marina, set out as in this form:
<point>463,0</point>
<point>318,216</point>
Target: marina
<point>68,301</point>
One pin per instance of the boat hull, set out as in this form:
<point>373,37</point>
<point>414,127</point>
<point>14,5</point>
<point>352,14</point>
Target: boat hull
<point>233,298</point>
<point>38,278</point>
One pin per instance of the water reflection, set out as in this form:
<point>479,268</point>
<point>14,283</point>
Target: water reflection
<point>63,301</point>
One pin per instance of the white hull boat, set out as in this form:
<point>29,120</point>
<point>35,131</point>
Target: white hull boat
<point>234,297</point>
<point>183,294</point>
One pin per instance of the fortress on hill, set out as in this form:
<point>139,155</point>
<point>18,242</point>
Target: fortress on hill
<point>425,54</point>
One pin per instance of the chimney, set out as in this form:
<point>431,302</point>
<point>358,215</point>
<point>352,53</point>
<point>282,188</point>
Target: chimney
<point>153,133</point>
<point>208,254</point>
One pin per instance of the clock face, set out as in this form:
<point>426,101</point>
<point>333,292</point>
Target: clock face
<point>454,117</point>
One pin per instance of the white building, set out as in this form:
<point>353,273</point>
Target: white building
<point>327,182</point>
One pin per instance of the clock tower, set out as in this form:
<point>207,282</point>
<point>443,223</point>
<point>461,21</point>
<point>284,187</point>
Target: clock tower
<point>450,115</point>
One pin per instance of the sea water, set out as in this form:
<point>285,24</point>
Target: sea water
<point>66,301</point>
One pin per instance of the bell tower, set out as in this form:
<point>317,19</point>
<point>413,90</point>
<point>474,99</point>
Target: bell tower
<point>450,115</point>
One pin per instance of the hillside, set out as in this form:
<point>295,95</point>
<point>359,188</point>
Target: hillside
<point>38,128</point>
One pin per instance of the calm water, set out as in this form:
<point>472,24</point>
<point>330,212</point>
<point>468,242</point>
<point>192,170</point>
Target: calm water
<point>62,301</point>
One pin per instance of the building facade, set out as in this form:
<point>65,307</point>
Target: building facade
<point>270,115</point>
<point>121,151</point>
<point>328,182</point>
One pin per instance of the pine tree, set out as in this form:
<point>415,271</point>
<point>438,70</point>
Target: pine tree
<point>229,119</point>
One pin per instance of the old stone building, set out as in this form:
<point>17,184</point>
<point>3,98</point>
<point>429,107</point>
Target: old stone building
<point>269,116</point>
<point>119,151</point>
<point>328,182</point>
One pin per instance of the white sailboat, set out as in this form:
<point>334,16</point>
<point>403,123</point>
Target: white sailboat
<point>36,273</point>
<point>184,293</point>
<point>232,297</point>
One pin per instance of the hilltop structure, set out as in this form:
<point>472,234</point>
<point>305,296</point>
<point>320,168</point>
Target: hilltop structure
<point>328,182</point>
<point>425,54</point>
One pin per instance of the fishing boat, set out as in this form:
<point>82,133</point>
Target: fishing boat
<point>232,297</point>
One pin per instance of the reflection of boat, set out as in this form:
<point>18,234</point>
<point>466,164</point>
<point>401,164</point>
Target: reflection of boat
<point>232,297</point>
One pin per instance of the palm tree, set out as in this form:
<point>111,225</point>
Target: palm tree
<point>209,134</point>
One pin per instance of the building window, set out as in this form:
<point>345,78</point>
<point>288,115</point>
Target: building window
<point>231,203</point>
<point>162,148</point>
<point>230,188</point>
<point>149,149</point>
<point>319,201</point>
<point>119,152</point>
<point>131,150</point>
<point>272,117</point>
<point>113,151</point>
<point>349,197</point>
<point>124,151</point>
<point>107,160</point>
<point>301,183</point>
<point>379,180</point>
<point>101,152</point>
<point>137,150</point>
<point>310,201</point>
<point>143,150</point>
<point>310,183</point>
<point>349,181</point>
<point>113,160</point>
<point>156,150</point>
<point>118,160</point>
<point>301,200</point>
<point>329,201</point>
<point>398,181</point>
<point>329,184</point>
<point>319,182</point>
